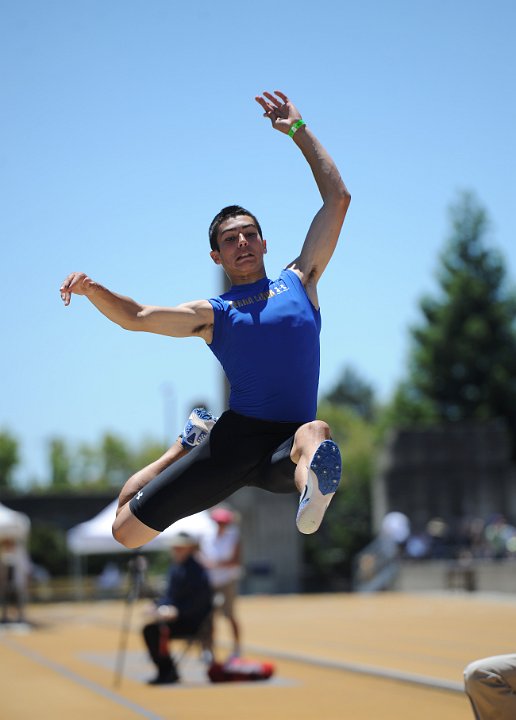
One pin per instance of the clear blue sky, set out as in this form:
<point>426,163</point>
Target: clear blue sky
<point>127,124</point>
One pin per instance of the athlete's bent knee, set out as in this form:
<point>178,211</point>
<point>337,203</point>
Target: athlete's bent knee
<point>319,428</point>
<point>322,427</point>
<point>131,532</point>
<point>307,437</point>
<point>123,536</point>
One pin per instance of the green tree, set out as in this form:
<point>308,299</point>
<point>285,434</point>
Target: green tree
<point>352,391</point>
<point>60,464</point>
<point>104,464</point>
<point>9,458</point>
<point>148,451</point>
<point>117,462</point>
<point>47,547</point>
<point>87,467</point>
<point>463,357</point>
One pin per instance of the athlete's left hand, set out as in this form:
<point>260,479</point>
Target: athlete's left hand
<point>280,110</point>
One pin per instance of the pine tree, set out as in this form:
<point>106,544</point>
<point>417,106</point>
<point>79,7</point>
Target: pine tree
<point>463,360</point>
<point>9,458</point>
<point>352,391</point>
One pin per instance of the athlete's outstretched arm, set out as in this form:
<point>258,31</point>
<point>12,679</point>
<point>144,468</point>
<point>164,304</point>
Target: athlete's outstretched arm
<point>193,319</point>
<point>324,231</point>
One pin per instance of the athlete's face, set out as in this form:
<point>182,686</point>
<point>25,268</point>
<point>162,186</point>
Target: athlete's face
<point>241,249</point>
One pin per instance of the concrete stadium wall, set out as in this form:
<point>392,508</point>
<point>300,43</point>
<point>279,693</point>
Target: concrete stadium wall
<point>271,545</point>
<point>498,576</point>
<point>453,472</point>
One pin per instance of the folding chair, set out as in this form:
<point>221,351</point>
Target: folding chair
<point>202,639</point>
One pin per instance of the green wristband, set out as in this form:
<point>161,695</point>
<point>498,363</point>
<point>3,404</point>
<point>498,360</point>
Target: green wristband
<point>295,127</point>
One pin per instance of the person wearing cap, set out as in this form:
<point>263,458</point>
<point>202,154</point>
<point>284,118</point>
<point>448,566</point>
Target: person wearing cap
<point>180,612</point>
<point>265,333</point>
<point>220,554</point>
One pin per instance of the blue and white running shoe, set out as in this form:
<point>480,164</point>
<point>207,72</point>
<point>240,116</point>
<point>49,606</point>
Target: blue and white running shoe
<point>198,428</point>
<point>322,482</point>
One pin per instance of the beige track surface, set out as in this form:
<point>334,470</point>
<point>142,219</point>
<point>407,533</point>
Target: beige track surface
<point>385,656</point>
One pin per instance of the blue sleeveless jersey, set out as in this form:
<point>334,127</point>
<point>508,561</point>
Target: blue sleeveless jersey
<point>266,337</point>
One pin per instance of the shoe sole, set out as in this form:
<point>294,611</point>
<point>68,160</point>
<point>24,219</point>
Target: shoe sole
<point>203,423</point>
<point>323,480</point>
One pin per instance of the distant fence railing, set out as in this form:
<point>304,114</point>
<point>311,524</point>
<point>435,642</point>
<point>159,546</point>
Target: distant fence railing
<point>376,567</point>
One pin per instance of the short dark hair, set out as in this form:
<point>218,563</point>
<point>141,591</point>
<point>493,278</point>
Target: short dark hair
<point>228,212</point>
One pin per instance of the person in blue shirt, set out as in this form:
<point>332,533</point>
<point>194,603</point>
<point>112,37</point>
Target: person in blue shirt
<point>265,333</point>
<point>181,611</point>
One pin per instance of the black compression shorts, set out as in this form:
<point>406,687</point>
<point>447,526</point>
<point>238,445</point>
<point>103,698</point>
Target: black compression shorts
<point>240,451</point>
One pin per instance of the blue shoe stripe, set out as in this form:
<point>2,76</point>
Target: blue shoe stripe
<point>327,466</point>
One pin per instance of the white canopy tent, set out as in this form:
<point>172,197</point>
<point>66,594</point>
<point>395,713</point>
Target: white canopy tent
<point>94,537</point>
<point>14,562</point>
<point>13,525</point>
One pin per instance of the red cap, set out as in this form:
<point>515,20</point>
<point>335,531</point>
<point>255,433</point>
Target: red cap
<point>222,515</point>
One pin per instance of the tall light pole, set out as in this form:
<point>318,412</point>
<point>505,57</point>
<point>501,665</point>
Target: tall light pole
<point>169,411</point>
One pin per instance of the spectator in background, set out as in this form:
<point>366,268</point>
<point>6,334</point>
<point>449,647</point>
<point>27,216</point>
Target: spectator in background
<point>395,530</point>
<point>109,580</point>
<point>220,554</point>
<point>498,533</point>
<point>14,578</point>
<point>186,604</point>
<point>439,533</point>
<point>490,685</point>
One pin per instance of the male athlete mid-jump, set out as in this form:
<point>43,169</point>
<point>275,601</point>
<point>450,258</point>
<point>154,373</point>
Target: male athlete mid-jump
<point>265,333</point>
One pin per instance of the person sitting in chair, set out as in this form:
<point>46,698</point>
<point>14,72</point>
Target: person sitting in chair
<point>186,604</point>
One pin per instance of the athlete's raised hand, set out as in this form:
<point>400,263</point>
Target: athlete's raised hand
<point>77,283</point>
<point>280,110</point>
